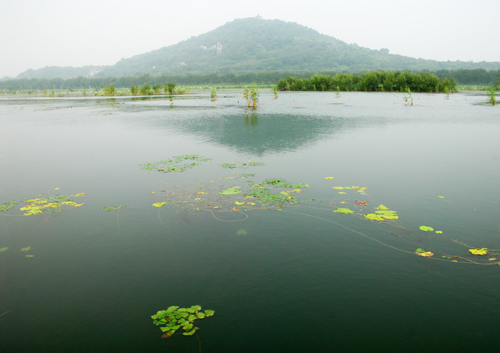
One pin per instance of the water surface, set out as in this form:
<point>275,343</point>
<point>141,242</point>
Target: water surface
<point>297,279</point>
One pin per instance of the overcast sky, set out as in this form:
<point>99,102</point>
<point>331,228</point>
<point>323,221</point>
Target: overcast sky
<point>36,33</point>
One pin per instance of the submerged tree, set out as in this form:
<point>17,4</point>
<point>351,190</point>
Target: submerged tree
<point>170,87</point>
<point>213,94</point>
<point>109,90</point>
<point>254,94</point>
<point>275,91</point>
<point>492,96</point>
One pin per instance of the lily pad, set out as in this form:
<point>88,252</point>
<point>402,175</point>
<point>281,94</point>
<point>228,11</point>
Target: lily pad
<point>426,228</point>
<point>382,207</point>
<point>374,217</point>
<point>343,210</point>
<point>159,204</point>
<point>478,251</point>
<point>209,313</point>
<point>231,191</point>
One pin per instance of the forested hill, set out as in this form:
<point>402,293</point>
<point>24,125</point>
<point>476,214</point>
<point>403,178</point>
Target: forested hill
<point>253,44</point>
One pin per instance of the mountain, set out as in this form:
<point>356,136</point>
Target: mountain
<point>61,72</point>
<point>255,44</point>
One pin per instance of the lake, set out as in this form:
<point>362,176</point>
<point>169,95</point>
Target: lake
<point>282,272</point>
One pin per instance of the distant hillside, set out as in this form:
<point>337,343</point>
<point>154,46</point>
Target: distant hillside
<point>61,72</point>
<point>252,45</point>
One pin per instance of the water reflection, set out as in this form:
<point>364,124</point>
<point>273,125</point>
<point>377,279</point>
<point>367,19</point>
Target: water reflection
<point>251,119</point>
<point>260,134</point>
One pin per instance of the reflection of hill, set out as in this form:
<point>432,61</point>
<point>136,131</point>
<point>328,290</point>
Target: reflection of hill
<point>261,134</point>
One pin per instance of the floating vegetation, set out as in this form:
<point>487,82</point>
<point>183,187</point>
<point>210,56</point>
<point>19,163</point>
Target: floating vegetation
<point>3,249</point>
<point>176,163</point>
<point>112,209</point>
<point>4,207</point>
<point>231,191</point>
<point>43,205</point>
<point>478,251</point>
<point>241,165</point>
<point>279,194</point>
<point>175,318</point>
<point>279,183</point>
<point>343,210</point>
<point>423,253</point>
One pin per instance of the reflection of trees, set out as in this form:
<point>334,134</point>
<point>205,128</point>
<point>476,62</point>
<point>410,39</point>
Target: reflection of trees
<point>251,119</point>
<point>268,133</point>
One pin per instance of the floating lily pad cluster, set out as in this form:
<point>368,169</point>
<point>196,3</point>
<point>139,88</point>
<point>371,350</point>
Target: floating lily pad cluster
<point>43,205</point>
<point>112,209</point>
<point>382,214</point>
<point>175,318</point>
<point>360,189</point>
<point>4,207</point>
<point>176,163</point>
<point>242,165</point>
<point>278,183</point>
<point>423,253</point>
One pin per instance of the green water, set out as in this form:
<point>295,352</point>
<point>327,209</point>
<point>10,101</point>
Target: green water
<point>299,279</point>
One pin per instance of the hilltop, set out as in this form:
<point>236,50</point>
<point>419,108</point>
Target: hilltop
<point>253,45</point>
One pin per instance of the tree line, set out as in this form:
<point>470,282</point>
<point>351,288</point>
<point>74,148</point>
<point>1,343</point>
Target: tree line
<point>463,77</point>
<point>370,81</point>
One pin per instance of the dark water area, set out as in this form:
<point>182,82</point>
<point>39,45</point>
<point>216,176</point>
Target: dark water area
<point>296,278</point>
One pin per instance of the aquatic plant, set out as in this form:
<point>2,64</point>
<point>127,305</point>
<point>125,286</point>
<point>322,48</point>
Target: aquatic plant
<point>110,90</point>
<point>157,89</point>
<point>169,88</point>
<point>43,205</point>
<point>491,94</point>
<point>213,94</point>
<point>112,209</point>
<point>242,165</point>
<point>174,318</point>
<point>338,92</point>
<point>145,90</point>
<point>133,90</point>
<point>176,163</point>
<point>275,91</point>
<point>4,207</point>
<point>409,99</point>
<point>254,95</point>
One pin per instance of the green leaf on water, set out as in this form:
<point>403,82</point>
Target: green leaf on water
<point>196,307</point>
<point>231,191</point>
<point>343,210</point>
<point>187,326</point>
<point>374,217</point>
<point>382,207</point>
<point>191,318</point>
<point>420,250</point>
<point>200,315</point>
<point>3,249</point>
<point>190,333</point>
<point>159,204</point>
<point>209,313</point>
<point>426,228</point>
<point>26,249</point>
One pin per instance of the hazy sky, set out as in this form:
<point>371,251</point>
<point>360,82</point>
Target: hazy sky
<point>36,33</point>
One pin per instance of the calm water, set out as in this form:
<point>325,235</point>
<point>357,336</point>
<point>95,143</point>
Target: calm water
<point>296,280</point>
